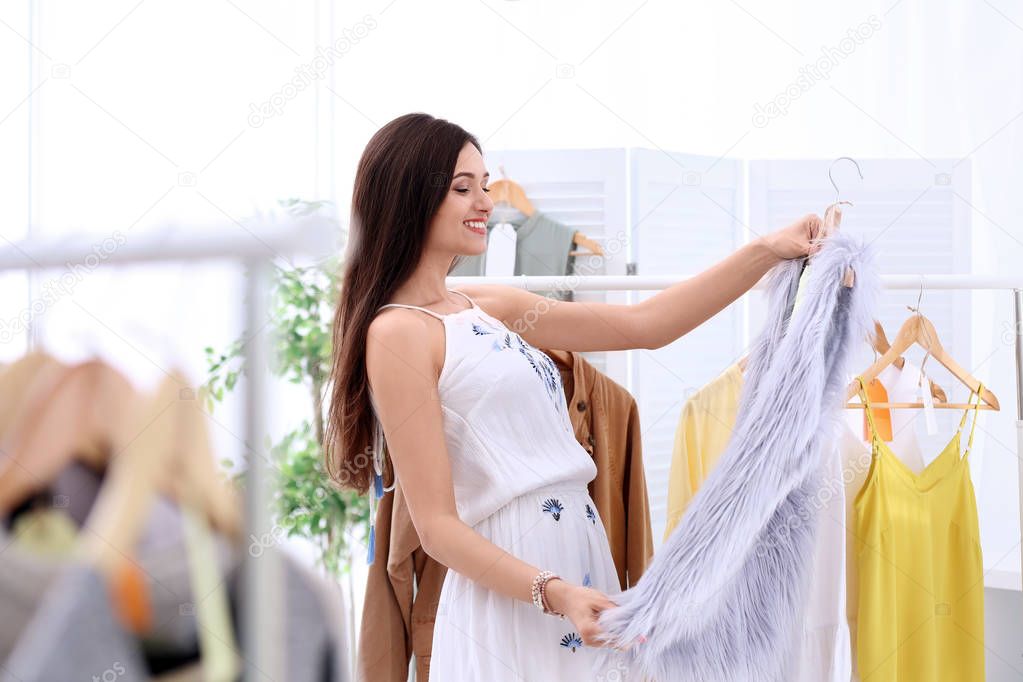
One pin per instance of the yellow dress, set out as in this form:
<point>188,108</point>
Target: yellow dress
<point>704,429</point>
<point>921,599</point>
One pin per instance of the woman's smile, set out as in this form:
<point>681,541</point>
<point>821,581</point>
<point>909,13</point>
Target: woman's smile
<point>477,227</point>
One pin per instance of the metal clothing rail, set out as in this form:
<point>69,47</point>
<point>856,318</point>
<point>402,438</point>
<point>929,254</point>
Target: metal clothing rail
<point>913,282</point>
<point>255,244</point>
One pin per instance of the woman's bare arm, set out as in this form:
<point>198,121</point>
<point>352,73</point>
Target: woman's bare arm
<point>652,323</point>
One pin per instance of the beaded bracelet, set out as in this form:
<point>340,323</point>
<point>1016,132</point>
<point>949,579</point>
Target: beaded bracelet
<point>539,592</point>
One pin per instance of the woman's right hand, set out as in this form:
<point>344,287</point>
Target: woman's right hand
<point>581,605</point>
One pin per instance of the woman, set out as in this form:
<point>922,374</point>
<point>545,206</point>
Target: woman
<point>474,416</point>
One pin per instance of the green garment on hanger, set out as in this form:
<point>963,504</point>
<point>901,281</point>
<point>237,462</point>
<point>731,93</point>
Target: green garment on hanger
<point>542,245</point>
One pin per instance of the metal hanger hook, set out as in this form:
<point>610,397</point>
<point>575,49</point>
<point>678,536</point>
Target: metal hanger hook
<point>919,297</point>
<point>831,177</point>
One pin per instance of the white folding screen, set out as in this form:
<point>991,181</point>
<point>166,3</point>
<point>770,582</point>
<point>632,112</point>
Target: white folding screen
<point>584,189</point>
<point>686,215</point>
<point>905,208</point>
<point>909,212</point>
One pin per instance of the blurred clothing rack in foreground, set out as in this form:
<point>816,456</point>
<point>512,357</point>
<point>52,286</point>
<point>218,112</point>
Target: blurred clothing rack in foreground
<point>256,244</point>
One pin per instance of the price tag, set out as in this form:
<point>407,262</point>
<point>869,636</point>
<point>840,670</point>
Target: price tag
<point>928,400</point>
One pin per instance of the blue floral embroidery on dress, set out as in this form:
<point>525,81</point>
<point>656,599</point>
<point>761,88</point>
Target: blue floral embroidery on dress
<point>541,363</point>
<point>544,368</point>
<point>572,641</point>
<point>586,580</point>
<point>590,514</point>
<point>553,507</point>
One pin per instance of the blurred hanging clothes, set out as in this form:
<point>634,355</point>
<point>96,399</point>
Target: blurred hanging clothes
<point>51,602</point>
<point>822,651</point>
<point>703,430</point>
<point>542,247</point>
<point>404,582</point>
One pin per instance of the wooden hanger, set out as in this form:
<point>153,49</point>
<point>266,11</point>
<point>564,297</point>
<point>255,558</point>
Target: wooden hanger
<point>510,192</point>
<point>87,413</point>
<point>919,330</point>
<point>593,248</point>
<point>74,414</point>
<point>204,485</point>
<point>17,380</point>
<point>122,506</point>
<point>879,342</point>
<point>165,447</point>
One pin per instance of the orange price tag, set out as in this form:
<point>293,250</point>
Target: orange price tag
<point>130,595</point>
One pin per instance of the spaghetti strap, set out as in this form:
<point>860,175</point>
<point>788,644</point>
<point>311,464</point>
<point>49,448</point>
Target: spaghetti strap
<point>867,409</point>
<point>439,316</point>
<point>471,302</point>
<point>976,413</point>
<point>411,307</point>
<point>969,406</point>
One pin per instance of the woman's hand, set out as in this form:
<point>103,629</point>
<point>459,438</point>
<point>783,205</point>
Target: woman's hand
<point>795,241</point>
<point>581,605</point>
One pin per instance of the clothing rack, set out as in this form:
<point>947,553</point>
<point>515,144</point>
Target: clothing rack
<point>256,248</point>
<point>255,245</point>
<point>912,282</point>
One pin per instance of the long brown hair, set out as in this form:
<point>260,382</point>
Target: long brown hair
<point>402,178</point>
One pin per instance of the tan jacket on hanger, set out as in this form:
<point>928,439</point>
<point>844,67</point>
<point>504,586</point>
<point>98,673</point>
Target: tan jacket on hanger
<point>397,620</point>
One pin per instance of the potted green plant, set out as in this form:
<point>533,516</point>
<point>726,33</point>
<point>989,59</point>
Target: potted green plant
<point>302,303</point>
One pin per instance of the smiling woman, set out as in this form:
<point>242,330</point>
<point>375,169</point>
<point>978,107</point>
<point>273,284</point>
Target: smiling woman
<point>473,415</point>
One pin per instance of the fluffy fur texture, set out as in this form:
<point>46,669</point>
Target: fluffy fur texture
<point>722,598</point>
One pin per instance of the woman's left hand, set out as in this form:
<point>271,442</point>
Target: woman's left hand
<point>795,241</point>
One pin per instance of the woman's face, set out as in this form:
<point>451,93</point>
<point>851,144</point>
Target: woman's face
<point>459,226</point>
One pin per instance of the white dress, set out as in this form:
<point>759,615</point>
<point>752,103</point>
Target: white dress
<point>520,480</point>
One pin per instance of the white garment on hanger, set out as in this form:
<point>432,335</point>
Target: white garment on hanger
<point>824,653</point>
<point>501,245</point>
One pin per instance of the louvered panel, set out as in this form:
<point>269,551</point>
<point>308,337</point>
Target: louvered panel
<point>684,221</point>
<point>908,210</point>
<point>585,189</point>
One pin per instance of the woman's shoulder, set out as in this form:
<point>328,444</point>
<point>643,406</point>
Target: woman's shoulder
<point>410,337</point>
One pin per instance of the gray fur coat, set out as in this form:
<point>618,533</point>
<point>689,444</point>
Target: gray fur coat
<point>722,599</point>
